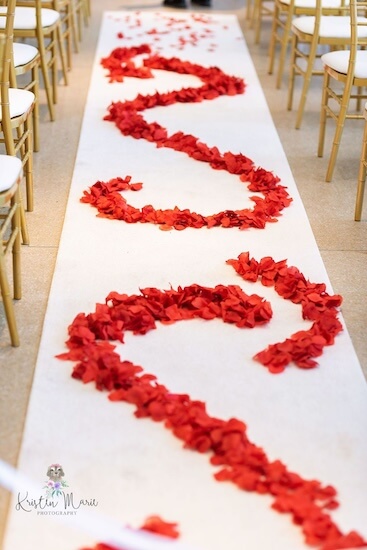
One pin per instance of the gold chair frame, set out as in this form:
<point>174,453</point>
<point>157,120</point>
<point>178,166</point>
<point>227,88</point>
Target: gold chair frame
<point>341,99</point>
<point>10,223</point>
<point>49,40</point>
<point>283,16</point>
<point>22,143</point>
<point>32,68</point>
<point>10,232</point>
<point>313,41</point>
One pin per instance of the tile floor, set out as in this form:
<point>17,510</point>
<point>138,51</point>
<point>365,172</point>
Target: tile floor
<point>330,208</point>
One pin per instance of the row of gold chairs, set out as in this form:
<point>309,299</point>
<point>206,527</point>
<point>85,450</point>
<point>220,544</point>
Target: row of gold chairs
<point>329,38</point>
<point>54,26</point>
<point>35,36</point>
<point>11,174</point>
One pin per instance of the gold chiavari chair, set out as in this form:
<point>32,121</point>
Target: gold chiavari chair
<point>26,61</point>
<point>16,110</point>
<point>348,68</point>
<point>310,34</point>
<point>285,11</point>
<point>32,21</point>
<point>10,225</point>
<point>10,231</point>
<point>26,76</point>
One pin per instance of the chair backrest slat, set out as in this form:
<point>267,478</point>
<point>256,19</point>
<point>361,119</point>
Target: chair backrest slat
<point>6,68</point>
<point>7,37</point>
<point>2,52</point>
<point>358,38</point>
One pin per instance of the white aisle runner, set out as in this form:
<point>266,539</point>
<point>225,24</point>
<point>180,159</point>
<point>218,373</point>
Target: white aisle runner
<point>315,421</point>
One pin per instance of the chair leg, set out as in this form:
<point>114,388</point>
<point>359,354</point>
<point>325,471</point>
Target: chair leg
<point>68,33</point>
<point>7,302</point>
<point>283,49</point>
<point>323,114</point>
<point>292,73</point>
<point>338,132</point>
<point>17,284</point>
<point>361,177</point>
<point>256,20</point>
<point>88,11</point>
<point>46,77</point>
<point>28,169</point>
<point>83,17</point>
<point>359,98</point>
<point>23,224</point>
<point>255,13</point>
<point>36,111</point>
<point>74,28</point>
<point>249,9</point>
<point>272,44</point>
<point>61,45</point>
<point>306,84</point>
<point>54,68</point>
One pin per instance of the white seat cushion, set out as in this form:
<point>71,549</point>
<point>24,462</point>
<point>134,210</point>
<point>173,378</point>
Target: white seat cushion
<point>10,170</point>
<point>25,18</point>
<point>330,26</point>
<point>20,102</point>
<point>23,53</point>
<point>339,62</point>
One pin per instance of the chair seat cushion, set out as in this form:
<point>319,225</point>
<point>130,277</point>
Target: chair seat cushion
<point>20,102</point>
<point>337,26</point>
<point>25,18</point>
<point>23,53</point>
<point>10,170</point>
<point>339,61</point>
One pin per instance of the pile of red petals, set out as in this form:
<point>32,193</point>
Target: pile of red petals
<point>317,306</point>
<point>126,115</point>
<point>107,199</point>
<point>139,313</point>
<point>120,65</point>
<point>241,461</point>
<point>153,524</point>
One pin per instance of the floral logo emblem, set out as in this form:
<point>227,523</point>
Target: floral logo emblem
<point>55,485</point>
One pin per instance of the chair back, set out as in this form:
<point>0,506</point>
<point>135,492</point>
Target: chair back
<point>2,50</point>
<point>358,23</point>
<point>358,35</point>
<point>6,66</point>
<point>37,5</point>
<point>6,58</point>
<point>325,8</point>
